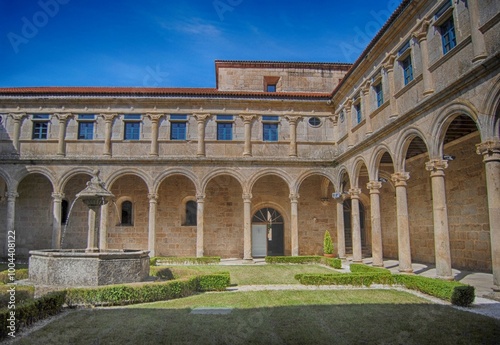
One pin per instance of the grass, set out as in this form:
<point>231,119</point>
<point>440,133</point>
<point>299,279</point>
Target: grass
<point>254,275</point>
<point>276,317</point>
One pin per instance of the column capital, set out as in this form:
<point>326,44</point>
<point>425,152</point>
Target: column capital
<point>374,186</point>
<point>153,197</point>
<point>11,195</point>
<point>17,117</point>
<point>247,118</point>
<point>400,178</point>
<point>200,197</point>
<point>58,196</point>
<point>365,87</point>
<point>436,166</point>
<point>155,117</point>
<point>247,197</point>
<point>201,117</point>
<point>421,31</point>
<point>490,150</point>
<point>354,193</point>
<point>294,197</point>
<point>293,119</point>
<point>62,117</point>
<point>388,62</point>
<point>108,117</point>
<point>348,104</point>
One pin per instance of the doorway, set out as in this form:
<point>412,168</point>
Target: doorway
<point>267,233</point>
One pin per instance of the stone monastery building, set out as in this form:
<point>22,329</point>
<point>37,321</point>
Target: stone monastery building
<point>397,155</point>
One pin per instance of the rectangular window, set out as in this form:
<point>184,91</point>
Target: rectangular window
<point>271,88</point>
<point>178,127</point>
<point>270,132</point>
<point>407,69</point>
<point>132,126</point>
<point>359,115</point>
<point>448,35</point>
<point>224,127</point>
<point>40,126</point>
<point>270,118</point>
<point>86,126</point>
<point>379,93</point>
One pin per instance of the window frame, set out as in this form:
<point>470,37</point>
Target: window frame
<point>448,34</point>
<point>314,119</point>
<point>190,213</point>
<point>379,94</point>
<point>85,119</point>
<point>131,121</point>
<point>225,122</point>
<point>180,120</point>
<point>41,123</point>
<point>131,213</point>
<point>270,128</point>
<point>407,67</point>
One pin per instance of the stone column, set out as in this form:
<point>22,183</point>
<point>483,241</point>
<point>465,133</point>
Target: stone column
<point>155,119</point>
<point>388,65</point>
<point>56,220</point>
<point>366,107</point>
<point>292,120</point>
<point>478,45</point>
<point>11,217</point>
<point>103,229</point>
<point>421,36</point>
<point>108,120</point>
<point>404,247</point>
<point>355,224</point>
<point>153,201</point>
<point>200,119</point>
<point>440,215</point>
<point>348,108</point>
<point>61,144</point>
<point>91,235</point>
<point>247,121</point>
<point>200,198</point>
<point>377,253</point>
<point>18,120</point>
<point>491,158</point>
<point>340,228</point>
<point>294,223</point>
<point>247,226</point>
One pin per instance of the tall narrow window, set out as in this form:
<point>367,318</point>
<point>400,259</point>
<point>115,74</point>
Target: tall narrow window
<point>448,37</point>
<point>224,127</point>
<point>270,128</point>
<point>40,126</point>
<point>132,127</point>
<point>86,126</point>
<point>358,114</point>
<point>379,93</point>
<point>178,127</point>
<point>191,213</point>
<point>64,211</point>
<point>407,69</point>
<point>127,213</point>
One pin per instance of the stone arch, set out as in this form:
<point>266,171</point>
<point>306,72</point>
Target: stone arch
<point>176,171</point>
<point>127,171</point>
<point>402,145</point>
<point>219,172</point>
<point>7,179</point>
<point>296,187</point>
<point>37,170</point>
<point>443,120</point>
<point>492,112</point>
<point>277,172</point>
<point>356,169</point>
<point>63,180</point>
<point>341,176</point>
<point>375,160</point>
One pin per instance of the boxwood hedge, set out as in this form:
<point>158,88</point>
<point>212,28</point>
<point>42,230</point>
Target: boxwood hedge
<point>332,262</point>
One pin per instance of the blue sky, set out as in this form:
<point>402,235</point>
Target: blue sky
<point>173,43</point>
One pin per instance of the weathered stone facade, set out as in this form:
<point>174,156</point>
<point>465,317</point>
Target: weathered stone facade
<point>398,155</point>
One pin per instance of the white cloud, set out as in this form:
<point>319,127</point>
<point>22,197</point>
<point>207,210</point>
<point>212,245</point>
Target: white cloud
<point>191,26</point>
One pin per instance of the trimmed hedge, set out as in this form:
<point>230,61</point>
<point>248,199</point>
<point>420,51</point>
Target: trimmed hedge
<point>21,273</point>
<point>362,268</point>
<point>163,260</point>
<point>23,293</point>
<point>161,291</point>
<point>332,262</point>
<point>313,259</point>
<point>29,312</point>
<point>355,279</point>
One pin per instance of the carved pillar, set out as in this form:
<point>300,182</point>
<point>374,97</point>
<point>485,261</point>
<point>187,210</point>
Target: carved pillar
<point>61,144</point>
<point>103,229</point>
<point>377,253</point>
<point>56,220</point>
<point>247,121</point>
<point>155,119</point>
<point>91,235</point>
<point>247,226</point>
<point>11,217</point>
<point>153,201</point>
<point>356,226</point>
<point>340,228</point>
<point>18,120</point>
<point>200,199</point>
<point>404,248</point>
<point>389,68</point>
<point>108,120</point>
<point>348,108</point>
<point>478,45</point>
<point>490,150</point>
<point>440,215</point>
<point>200,119</point>
<point>294,223</point>
<point>292,120</point>
<point>421,36</point>
<point>366,107</point>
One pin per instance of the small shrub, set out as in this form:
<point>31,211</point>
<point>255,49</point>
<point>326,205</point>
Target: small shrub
<point>362,268</point>
<point>214,282</point>
<point>463,296</point>
<point>293,259</point>
<point>205,260</point>
<point>332,262</point>
<point>153,260</point>
<point>327,243</point>
<point>21,273</point>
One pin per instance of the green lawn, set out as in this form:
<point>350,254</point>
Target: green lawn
<point>254,275</point>
<point>276,317</point>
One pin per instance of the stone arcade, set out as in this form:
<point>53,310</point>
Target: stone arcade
<point>406,139</point>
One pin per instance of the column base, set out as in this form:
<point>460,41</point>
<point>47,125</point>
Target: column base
<point>406,270</point>
<point>479,58</point>
<point>449,278</point>
<point>428,92</point>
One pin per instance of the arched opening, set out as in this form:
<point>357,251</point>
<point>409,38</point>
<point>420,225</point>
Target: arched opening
<point>267,233</point>
<point>191,213</point>
<point>126,213</point>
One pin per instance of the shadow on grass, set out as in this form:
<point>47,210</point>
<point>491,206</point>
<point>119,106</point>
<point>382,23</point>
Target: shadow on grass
<point>313,324</point>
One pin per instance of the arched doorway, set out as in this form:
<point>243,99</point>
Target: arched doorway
<point>348,227</point>
<point>267,233</point>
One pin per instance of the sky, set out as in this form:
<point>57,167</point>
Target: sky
<point>173,43</point>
